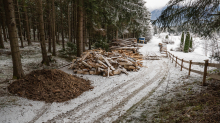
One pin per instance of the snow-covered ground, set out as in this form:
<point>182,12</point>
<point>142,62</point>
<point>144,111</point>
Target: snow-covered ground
<point>110,98</point>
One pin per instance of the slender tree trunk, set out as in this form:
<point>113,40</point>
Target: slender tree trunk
<point>3,20</point>
<point>84,34</point>
<point>19,24</point>
<point>116,35</point>
<point>89,40</point>
<point>2,14</point>
<point>57,35</point>
<point>53,29</point>
<point>69,24</point>
<point>61,11</point>
<point>1,39</point>
<point>41,31</point>
<point>26,23</point>
<point>16,56</point>
<point>80,28</point>
<point>49,26</point>
<point>34,32</point>
<point>75,21</point>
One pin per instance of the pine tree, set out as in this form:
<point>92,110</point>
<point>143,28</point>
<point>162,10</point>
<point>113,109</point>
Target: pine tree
<point>187,43</point>
<point>191,43</point>
<point>12,30</point>
<point>182,39</point>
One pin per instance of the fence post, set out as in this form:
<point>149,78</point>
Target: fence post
<point>172,58</point>
<point>182,65</point>
<point>190,64</point>
<point>176,61</point>
<point>205,72</point>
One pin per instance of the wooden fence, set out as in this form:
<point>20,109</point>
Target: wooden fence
<point>205,64</point>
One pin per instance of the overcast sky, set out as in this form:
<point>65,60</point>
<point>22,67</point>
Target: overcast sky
<point>155,4</point>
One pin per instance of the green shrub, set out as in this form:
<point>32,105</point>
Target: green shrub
<point>191,43</point>
<point>101,43</point>
<point>70,50</point>
<point>167,37</point>
<point>182,39</point>
<point>187,43</point>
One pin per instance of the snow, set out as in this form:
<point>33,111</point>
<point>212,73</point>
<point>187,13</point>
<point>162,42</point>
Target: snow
<point>111,97</point>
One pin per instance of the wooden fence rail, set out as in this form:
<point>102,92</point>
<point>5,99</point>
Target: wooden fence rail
<point>205,64</point>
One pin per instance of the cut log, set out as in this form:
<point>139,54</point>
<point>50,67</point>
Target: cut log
<point>86,64</point>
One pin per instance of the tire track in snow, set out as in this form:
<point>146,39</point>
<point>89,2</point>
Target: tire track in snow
<point>122,93</point>
<point>157,76</point>
<point>83,105</point>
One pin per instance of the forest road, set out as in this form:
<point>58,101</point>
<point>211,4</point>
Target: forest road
<point>113,102</point>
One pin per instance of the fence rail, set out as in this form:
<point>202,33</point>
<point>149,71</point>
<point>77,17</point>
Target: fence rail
<point>205,64</point>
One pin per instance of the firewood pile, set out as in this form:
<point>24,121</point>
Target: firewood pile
<point>99,62</point>
<point>125,44</point>
<point>152,56</point>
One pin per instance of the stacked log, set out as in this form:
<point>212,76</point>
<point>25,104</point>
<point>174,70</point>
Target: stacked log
<point>99,62</point>
<point>125,44</point>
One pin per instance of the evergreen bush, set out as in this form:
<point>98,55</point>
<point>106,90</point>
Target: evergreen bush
<point>70,50</point>
<point>182,39</point>
<point>187,43</point>
<point>191,43</point>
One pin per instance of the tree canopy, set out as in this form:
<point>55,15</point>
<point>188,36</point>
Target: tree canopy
<point>200,16</point>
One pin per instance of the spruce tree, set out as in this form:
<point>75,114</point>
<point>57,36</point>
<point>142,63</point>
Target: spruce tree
<point>191,43</point>
<point>182,39</point>
<point>187,43</point>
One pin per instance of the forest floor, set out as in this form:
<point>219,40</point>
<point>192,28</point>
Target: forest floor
<point>154,93</point>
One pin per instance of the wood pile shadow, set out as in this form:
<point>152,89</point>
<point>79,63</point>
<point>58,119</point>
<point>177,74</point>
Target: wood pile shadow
<point>49,86</point>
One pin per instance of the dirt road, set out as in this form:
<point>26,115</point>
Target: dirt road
<point>110,97</point>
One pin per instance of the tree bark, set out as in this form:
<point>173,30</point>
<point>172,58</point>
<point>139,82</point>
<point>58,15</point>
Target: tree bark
<point>49,26</point>
<point>116,35</point>
<point>41,31</point>
<point>53,29</point>
<point>26,23</point>
<point>3,21</point>
<point>61,11</point>
<point>84,34</point>
<point>80,28</point>
<point>1,39</point>
<point>19,24</point>
<point>69,24</point>
<point>16,56</point>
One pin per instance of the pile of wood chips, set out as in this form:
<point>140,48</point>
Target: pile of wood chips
<point>125,44</point>
<point>99,62</point>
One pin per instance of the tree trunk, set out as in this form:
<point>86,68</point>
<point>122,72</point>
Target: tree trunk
<point>49,26</point>
<point>84,34</point>
<point>53,29</point>
<point>75,21</point>
<point>116,35</point>
<point>26,23</point>
<point>18,23</point>
<point>16,56</point>
<point>3,21</point>
<point>80,28</point>
<point>41,31</point>
<point>69,24</point>
<point>61,11</point>
<point>1,39</point>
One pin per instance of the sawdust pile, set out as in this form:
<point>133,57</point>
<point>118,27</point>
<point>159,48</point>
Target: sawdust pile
<point>49,86</point>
